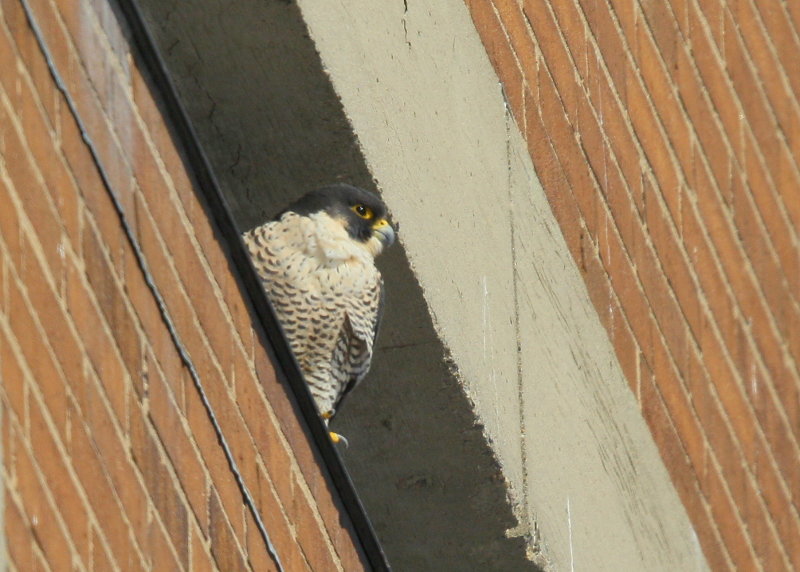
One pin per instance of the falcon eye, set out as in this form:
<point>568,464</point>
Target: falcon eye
<point>363,212</point>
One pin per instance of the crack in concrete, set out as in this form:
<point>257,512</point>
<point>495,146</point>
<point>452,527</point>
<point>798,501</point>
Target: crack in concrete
<point>405,22</point>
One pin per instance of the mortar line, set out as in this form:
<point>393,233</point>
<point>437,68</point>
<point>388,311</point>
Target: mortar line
<point>149,279</point>
<point>36,248</point>
<point>704,303</point>
<point>180,208</point>
<point>738,445</point>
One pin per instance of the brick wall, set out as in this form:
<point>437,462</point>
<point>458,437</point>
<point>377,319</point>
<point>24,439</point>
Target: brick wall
<point>110,458</point>
<point>667,137</point>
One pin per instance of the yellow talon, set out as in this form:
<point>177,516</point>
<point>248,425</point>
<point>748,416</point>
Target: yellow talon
<point>327,414</point>
<point>336,438</point>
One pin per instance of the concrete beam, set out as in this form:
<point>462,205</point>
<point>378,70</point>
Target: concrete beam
<point>507,298</point>
<point>495,391</point>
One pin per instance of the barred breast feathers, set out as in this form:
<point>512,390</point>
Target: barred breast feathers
<point>307,261</point>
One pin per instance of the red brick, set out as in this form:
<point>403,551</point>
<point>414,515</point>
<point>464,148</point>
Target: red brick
<point>109,28</point>
<point>149,319</point>
<point>95,337</point>
<point>660,419</point>
<point>740,282</point>
<point>516,26</point>
<point>88,92</point>
<point>570,157</point>
<point>38,357</point>
<point>201,560</point>
<point>200,286</point>
<point>784,199</point>
<point>167,281</point>
<point>224,546</point>
<point>93,479</point>
<point>101,557</point>
<point>41,515</point>
<point>784,452</point>
<point>8,52</point>
<point>748,90</point>
<point>593,147</point>
<point>777,24</point>
<point>52,317</point>
<point>36,66</point>
<point>14,385</point>
<point>714,81</point>
<point>118,329</point>
<point>779,230</point>
<point>554,54</point>
<point>656,80</point>
<point>9,225</point>
<point>254,409</point>
<point>740,548</point>
<point>168,422</point>
<point>597,284</point>
<point>714,148</point>
<point>618,134</point>
<point>771,74</point>
<point>706,109</point>
<point>17,535</point>
<point>148,109</point>
<point>612,46</point>
<point>782,516</point>
<point>312,536</point>
<point>682,413</point>
<point>60,482</point>
<point>57,184</point>
<point>162,549</point>
<point>163,490</point>
<point>710,280</point>
<point>35,202</point>
<point>98,201</point>
<point>9,454</point>
<point>222,481</point>
<point>229,418</point>
<point>110,446</point>
<point>279,530</point>
<point>287,413</point>
<point>110,297</point>
<point>753,236</point>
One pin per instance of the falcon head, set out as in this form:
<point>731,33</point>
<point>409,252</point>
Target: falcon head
<point>361,213</point>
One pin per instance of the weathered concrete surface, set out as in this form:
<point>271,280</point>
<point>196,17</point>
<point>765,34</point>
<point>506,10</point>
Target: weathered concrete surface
<point>272,128</point>
<point>506,296</point>
<point>507,300</point>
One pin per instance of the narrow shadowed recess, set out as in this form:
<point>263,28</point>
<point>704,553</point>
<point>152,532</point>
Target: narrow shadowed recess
<point>269,123</point>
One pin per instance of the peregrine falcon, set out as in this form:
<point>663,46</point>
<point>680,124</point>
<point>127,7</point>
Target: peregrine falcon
<point>316,264</point>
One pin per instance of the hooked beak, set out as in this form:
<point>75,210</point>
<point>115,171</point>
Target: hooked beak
<point>384,232</point>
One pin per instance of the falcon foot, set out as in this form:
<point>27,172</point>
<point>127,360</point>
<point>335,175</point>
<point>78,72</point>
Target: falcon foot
<point>336,438</point>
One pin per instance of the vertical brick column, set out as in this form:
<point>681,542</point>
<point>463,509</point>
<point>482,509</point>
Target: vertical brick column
<point>110,457</point>
<point>665,135</point>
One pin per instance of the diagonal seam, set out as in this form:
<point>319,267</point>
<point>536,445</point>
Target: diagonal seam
<point>154,290</point>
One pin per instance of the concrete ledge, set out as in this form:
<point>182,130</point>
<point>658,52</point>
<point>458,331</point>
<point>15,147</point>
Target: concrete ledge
<point>273,127</point>
<point>490,349</point>
<point>507,298</point>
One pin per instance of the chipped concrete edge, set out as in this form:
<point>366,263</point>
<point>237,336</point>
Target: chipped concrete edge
<point>505,295</point>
